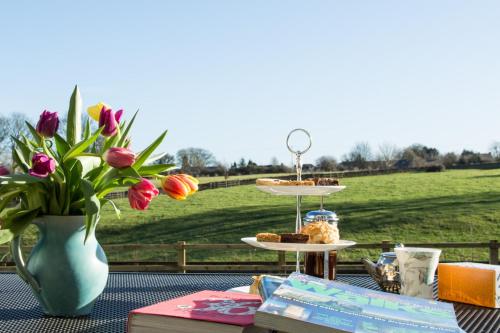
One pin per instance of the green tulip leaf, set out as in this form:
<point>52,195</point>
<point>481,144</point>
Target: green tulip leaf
<point>23,148</point>
<point>74,125</point>
<point>80,147</point>
<point>123,139</point>
<point>61,145</point>
<point>92,206</point>
<point>129,172</point>
<point>20,179</point>
<point>18,157</point>
<point>89,162</point>
<point>115,208</point>
<point>143,156</point>
<point>149,170</point>
<point>17,222</point>
<point>34,134</point>
<point>87,132</point>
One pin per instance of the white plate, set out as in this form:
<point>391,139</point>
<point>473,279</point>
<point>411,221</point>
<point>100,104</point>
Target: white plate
<point>341,244</point>
<point>300,190</point>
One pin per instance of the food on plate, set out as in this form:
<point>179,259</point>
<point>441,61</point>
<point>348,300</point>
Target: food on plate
<point>298,183</point>
<point>325,181</point>
<point>267,237</point>
<point>294,238</point>
<point>280,182</point>
<point>268,181</point>
<point>321,232</point>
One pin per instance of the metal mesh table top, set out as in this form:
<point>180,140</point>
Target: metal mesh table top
<point>20,312</point>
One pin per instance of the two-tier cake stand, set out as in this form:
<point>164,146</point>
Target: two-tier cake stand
<point>299,192</point>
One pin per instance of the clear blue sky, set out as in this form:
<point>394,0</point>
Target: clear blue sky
<point>235,76</point>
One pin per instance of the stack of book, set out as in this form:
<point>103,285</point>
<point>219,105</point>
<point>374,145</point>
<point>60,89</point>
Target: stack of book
<point>300,303</point>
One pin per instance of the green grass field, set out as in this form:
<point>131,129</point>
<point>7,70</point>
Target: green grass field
<point>409,207</point>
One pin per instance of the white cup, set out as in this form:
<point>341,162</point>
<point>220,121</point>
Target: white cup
<point>417,267</point>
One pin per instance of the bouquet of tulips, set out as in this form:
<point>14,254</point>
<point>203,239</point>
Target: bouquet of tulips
<point>72,175</point>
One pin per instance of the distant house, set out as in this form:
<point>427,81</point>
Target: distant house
<point>308,167</point>
<point>486,158</point>
<point>402,164</point>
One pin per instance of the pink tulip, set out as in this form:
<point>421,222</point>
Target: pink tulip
<point>175,187</point>
<point>141,194</point>
<point>4,171</point>
<point>47,124</point>
<point>119,157</point>
<point>42,166</point>
<point>110,121</point>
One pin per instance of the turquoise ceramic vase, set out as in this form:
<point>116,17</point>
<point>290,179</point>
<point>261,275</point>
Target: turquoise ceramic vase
<point>65,274</point>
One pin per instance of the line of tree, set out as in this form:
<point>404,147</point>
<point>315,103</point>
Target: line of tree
<point>199,161</point>
<point>389,155</point>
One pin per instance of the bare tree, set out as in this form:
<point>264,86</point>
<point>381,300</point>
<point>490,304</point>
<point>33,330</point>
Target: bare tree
<point>275,161</point>
<point>326,163</point>
<point>359,155</point>
<point>449,159</point>
<point>166,159</point>
<point>195,159</point>
<point>495,150</point>
<point>388,153</point>
<point>13,125</point>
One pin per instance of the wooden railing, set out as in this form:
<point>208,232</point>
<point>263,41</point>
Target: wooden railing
<point>280,265</point>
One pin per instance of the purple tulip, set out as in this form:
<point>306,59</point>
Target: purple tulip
<point>4,171</point>
<point>48,124</point>
<point>110,121</point>
<point>42,165</point>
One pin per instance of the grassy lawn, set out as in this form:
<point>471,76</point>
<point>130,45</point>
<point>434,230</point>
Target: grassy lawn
<point>462,205</point>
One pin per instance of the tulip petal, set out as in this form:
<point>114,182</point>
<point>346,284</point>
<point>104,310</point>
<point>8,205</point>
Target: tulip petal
<point>94,111</point>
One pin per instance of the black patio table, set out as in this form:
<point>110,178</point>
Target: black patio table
<point>20,313</point>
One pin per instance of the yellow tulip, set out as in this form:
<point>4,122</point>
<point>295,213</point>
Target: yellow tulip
<point>95,110</point>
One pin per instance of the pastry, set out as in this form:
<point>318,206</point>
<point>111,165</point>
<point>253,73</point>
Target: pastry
<point>280,182</point>
<point>298,183</point>
<point>294,238</point>
<point>268,181</point>
<point>321,232</point>
<point>267,237</point>
<point>325,181</point>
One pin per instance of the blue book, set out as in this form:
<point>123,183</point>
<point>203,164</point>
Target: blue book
<point>268,285</point>
<point>303,303</point>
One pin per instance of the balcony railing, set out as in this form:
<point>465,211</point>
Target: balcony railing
<point>182,264</point>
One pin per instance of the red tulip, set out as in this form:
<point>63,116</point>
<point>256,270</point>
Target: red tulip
<point>48,124</point>
<point>190,181</point>
<point>141,194</point>
<point>110,121</point>
<point>119,158</point>
<point>42,165</point>
<point>4,171</point>
<point>175,187</point>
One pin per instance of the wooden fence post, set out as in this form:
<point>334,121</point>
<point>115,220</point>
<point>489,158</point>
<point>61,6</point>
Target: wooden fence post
<point>493,252</point>
<point>281,260</point>
<point>386,246</point>
<point>181,256</point>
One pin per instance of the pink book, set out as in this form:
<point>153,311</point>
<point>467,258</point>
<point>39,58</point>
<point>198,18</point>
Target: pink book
<point>203,311</point>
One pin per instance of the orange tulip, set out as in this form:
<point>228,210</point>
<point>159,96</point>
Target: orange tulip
<point>175,188</point>
<point>190,181</point>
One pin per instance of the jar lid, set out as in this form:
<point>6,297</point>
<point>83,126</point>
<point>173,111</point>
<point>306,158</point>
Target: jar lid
<point>321,215</point>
